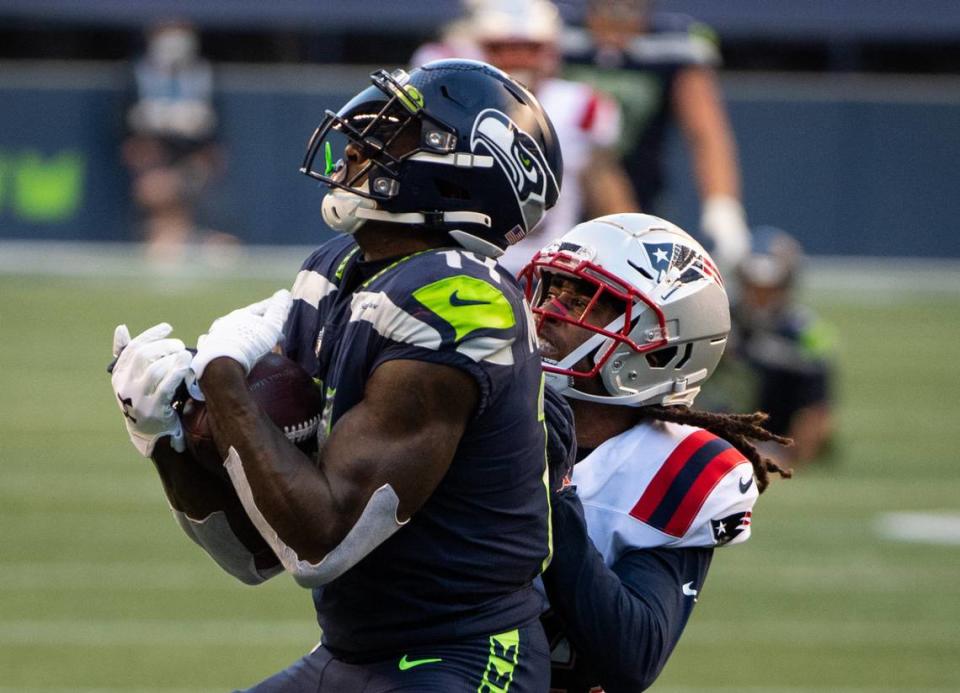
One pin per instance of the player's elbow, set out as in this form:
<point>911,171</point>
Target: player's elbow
<point>376,524</point>
<point>248,578</point>
<point>247,571</point>
<point>632,677</point>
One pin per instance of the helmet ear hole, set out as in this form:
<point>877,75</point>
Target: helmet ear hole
<point>661,358</point>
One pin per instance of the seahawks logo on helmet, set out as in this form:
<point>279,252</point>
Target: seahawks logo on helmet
<point>521,159</point>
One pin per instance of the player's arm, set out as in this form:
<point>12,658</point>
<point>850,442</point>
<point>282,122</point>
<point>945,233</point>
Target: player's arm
<point>699,109</point>
<point>626,620</point>
<point>379,465</point>
<point>606,187</point>
<point>145,376</point>
<point>703,119</point>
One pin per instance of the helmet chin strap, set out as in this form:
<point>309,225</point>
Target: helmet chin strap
<point>341,210</point>
<point>346,212</point>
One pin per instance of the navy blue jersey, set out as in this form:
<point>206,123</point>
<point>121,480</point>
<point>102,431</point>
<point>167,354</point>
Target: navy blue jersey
<point>642,79</point>
<point>463,565</point>
<point>791,359</point>
<point>614,626</point>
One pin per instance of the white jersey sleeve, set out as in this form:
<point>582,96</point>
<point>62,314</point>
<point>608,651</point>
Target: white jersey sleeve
<point>665,485</point>
<point>585,120</point>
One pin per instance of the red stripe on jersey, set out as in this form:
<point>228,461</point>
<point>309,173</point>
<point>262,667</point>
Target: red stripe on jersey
<point>715,470</point>
<point>590,113</point>
<point>658,486</point>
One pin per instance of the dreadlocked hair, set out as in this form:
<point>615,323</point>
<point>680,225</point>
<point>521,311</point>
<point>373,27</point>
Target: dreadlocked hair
<point>736,429</point>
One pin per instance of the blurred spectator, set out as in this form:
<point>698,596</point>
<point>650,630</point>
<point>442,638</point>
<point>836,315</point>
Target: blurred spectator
<point>521,37</point>
<point>785,346</point>
<point>660,67</point>
<point>171,149</point>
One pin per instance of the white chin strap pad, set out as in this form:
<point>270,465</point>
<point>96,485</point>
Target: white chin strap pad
<point>376,524</point>
<point>340,209</point>
<point>214,535</point>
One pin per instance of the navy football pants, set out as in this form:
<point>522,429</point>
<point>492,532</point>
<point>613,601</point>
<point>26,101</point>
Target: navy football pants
<point>517,661</point>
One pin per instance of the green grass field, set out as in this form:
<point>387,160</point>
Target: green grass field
<point>99,591</point>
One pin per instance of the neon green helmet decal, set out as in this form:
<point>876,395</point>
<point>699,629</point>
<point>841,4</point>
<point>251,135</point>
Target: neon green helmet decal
<point>327,159</point>
<point>411,98</point>
<point>468,304</point>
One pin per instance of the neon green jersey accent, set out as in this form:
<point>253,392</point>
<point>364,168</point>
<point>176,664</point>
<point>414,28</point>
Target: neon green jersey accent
<point>542,418</point>
<point>468,304</point>
<point>405,663</point>
<point>817,341</point>
<point>504,655</point>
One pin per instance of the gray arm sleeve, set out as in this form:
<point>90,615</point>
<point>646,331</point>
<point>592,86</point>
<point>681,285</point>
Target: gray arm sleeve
<point>214,535</point>
<point>376,524</point>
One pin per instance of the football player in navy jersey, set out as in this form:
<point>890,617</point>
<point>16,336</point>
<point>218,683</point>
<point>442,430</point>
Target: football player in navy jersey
<point>661,68</point>
<point>633,317</point>
<point>424,521</point>
<point>786,347</point>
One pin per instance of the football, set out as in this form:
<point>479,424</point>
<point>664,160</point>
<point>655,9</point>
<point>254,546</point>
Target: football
<point>286,393</point>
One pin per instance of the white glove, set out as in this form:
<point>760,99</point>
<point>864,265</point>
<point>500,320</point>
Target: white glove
<point>147,373</point>
<point>245,335</point>
<point>724,222</point>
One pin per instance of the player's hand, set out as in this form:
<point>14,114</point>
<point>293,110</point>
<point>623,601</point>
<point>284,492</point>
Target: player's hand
<point>244,335</point>
<point>148,370</point>
<point>724,223</point>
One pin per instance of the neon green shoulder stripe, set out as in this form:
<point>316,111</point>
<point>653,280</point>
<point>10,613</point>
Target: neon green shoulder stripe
<point>468,304</point>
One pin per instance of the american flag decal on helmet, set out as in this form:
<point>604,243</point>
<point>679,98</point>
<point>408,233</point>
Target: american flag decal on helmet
<point>515,235</point>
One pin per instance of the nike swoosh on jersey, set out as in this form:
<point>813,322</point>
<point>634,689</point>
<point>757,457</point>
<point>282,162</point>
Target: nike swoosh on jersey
<point>405,663</point>
<point>455,300</point>
<point>744,487</point>
<point>688,589</point>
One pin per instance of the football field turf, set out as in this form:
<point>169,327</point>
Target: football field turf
<point>99,590</point>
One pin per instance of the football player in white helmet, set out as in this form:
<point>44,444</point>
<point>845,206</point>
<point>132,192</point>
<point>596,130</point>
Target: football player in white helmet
<point>632,318</point>
<point>522,37</point>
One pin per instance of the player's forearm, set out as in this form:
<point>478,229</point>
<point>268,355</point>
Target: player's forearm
<point>699,107</point>
<point>607,188</point>
<point>289,490</point>
<point>189,487</point>
<point>715,165</point>
<point>210,514</point>
<point>626,638</point>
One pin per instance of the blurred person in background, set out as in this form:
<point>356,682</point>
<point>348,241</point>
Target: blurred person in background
<point>633,318</point>
<point>171,150</point>
<point>660,67</point>
<point>784,346</point>
<point>522,38</point>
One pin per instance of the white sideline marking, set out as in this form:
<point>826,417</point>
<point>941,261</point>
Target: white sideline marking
<point>920,528</point>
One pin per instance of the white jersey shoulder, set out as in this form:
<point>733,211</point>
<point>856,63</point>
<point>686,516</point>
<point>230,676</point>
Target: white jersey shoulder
<point>585,120</point>
<point>665,485</point>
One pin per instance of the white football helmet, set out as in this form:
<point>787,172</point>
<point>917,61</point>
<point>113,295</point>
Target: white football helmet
<point>675,320</point>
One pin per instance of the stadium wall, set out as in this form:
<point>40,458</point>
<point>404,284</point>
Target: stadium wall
<point>846,162</point>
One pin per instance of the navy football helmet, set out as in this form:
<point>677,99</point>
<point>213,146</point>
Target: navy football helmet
<point>774,258</point>
<point>455,145</point>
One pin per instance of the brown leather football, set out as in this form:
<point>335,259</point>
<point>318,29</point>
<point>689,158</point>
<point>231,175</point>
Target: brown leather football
<point>285,392</point>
